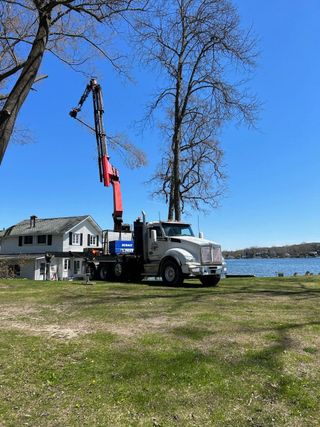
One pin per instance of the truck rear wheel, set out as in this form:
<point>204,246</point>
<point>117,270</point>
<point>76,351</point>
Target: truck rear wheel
<point>118,271</point>
<point>211,280</point>
<point>104,273</point>
<point>171,273</point>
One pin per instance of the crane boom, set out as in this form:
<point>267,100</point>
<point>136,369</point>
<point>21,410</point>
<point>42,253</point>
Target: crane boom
<point>107,173</point>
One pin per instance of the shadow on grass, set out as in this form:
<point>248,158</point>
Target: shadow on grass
<point>190,292</point>
<point>179,297</point>
<point>282,380</point>
<point>185,285</point>
<point>258,378</point>
<point>295,290</point>
<point>252,286</point>
<point>149,296</point>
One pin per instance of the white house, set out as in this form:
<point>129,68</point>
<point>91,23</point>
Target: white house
<point>51,248</point>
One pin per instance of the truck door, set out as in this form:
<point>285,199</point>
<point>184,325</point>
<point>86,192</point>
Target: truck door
<point>158,248</point>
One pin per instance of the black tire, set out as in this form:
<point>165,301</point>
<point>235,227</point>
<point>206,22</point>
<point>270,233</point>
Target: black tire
<point>211,280</point>
<point>118,272</point>
<point>171,273</point>
<point>104,273</point>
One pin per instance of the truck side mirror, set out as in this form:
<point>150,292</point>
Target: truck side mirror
<point>200,235</point>
<point>153,235</point>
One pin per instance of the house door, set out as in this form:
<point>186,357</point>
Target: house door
<point>66,267</point>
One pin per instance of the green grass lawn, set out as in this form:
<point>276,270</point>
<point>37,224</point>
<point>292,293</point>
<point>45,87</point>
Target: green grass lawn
<point>243,354</point>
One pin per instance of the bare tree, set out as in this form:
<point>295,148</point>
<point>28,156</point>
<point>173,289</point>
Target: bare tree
<point>68,29</point>
<point>199,48</point>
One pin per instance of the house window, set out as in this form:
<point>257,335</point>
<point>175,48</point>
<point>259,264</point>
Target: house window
<point>93,240</point>
<point>76,267</point>
<point>28,240</point>
<point>42,240</point>
<point>66,264</point>
<point>76,238</point>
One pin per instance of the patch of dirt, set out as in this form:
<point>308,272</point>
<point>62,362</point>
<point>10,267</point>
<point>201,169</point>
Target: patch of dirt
<point>12,311</point>
<point>54,331</point>
<point>35,324</point>
<point>4,286</point>
<point>138,327</point>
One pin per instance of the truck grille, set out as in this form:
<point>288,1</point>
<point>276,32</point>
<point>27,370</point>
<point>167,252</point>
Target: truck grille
<point>210,254</point>
<point>217,255</point>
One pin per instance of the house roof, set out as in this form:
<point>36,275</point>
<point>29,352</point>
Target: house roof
<point>46,226</point>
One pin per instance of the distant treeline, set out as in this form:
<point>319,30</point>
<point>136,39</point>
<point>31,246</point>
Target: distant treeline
<point>303,250</point>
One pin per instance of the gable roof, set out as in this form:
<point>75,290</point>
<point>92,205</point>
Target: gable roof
<point>46,226</point>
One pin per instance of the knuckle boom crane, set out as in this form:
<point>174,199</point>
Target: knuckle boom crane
<point>108,174</point>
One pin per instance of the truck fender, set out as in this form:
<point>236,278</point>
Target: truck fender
<point>179,255</point>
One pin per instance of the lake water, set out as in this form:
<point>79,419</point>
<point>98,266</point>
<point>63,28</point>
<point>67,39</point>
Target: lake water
<point>271,267</point>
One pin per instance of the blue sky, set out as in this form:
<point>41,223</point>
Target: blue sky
<point>273,195</point>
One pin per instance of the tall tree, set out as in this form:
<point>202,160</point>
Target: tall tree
<point>199,48</point>
<point>69,29</point>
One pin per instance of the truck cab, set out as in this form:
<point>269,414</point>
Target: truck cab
<point>173,252</point>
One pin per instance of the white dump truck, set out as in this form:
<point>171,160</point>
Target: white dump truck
<point>158,249</point>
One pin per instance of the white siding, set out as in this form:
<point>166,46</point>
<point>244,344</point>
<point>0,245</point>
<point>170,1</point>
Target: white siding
<point>83,228</point>
<point>10,245</point>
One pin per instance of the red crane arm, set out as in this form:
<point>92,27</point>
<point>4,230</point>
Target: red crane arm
<point>107,173</point>
<point>111,175</point>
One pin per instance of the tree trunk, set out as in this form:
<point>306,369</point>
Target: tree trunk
<point>174,200</point>
<point>174,212</point>
<point>176,175</point>
<point>171,200</point>
<point>23,85</point>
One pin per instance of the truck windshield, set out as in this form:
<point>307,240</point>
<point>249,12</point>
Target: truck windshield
<point>177,229</point>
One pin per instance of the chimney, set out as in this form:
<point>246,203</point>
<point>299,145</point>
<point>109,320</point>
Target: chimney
<point>33,221</point>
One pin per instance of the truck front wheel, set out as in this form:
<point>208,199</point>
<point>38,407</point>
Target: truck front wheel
<point>211,280</point>
<point>171,273</point>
